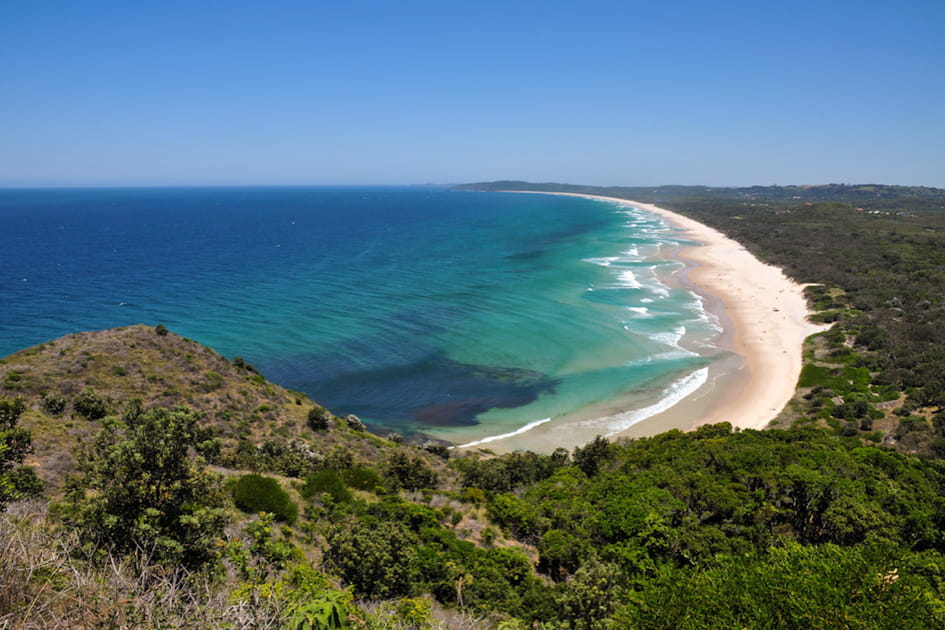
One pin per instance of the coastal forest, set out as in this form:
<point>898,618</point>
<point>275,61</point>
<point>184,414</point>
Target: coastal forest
<point>147,481</point>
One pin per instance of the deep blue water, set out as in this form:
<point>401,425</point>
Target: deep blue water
<point>415,308</point>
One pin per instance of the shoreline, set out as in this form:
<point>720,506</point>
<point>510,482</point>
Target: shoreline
<point>764,318</point>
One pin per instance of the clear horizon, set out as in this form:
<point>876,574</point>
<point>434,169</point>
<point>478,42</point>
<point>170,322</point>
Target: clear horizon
<point>425,185</point>
<point>605,93</point>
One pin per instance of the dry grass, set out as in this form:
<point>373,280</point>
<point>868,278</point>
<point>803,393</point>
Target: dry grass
<point>47,584</point>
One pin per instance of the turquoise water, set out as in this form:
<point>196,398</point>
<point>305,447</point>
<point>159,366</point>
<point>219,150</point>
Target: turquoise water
<point>462,315</point>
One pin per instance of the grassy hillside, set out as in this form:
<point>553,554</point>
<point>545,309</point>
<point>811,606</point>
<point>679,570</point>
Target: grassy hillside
<point>149,447</point>
<point>253,422</point>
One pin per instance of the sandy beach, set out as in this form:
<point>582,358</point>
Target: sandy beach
<point>765,319</point>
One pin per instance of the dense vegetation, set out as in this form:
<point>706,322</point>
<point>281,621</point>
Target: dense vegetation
<point>139,489</point>
<point>876,255</point>
<point>166,486</point>
<point>15,443</point>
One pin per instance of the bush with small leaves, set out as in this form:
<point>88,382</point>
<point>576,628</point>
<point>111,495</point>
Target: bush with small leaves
<point>53,403</point>
<point>140,488</point>
<point>10,411</point>
<point>13,380</point>
<point>355,423</point>
<point>161,330</point>
<point>361,478</point>
<point>90,405</point>
<point>15,443</point>
<point>410,473</point>
<point>339,459</point>
<point>318,418</point>
<point>592,455</point>
<point>326,482</point>
<point>254,493</point>
<point>560,553</point>
<point>25,482</point>
<point>373,558</point>
<point>242,364</point>
<point>440,450</point>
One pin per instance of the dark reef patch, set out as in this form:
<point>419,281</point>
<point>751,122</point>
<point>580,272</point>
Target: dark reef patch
<point>430,392</point>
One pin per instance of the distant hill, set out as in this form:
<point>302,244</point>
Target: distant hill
<point>868,196</point>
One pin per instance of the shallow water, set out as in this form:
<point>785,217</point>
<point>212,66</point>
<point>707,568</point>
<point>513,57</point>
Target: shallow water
<point>462,315</point>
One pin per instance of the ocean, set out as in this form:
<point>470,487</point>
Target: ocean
<point>423,310</point>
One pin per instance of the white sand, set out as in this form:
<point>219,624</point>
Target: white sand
<point>768,314</point>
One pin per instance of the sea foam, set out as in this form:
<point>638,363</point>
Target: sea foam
<point>493,438</point>
<point>628,279</point>
<point>670,397</point>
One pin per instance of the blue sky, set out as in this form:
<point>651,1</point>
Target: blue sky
<point>632,93</point>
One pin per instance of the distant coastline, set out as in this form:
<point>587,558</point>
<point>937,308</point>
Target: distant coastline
<point>765,322</point>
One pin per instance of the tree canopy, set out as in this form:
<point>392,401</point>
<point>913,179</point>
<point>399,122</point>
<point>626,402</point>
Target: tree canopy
<point>140,488</point>
<point>15,443</point>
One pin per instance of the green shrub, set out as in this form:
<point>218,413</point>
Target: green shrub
<point>373,558</point>
<point>318,418</point>
<point>326,612</point>
<point>90,405</point>
<point>254,493</point>
<point>339,459</point>
<point>910,424</point>
<point>54,403</point>
<point>213,381</point>
<point>256,378</point>
<point>25,482</point>
<point>326,481</point>
<point>242,364</point>
<point>15,443</point>
<point>812,375</point>
<point>161,330</point>
<point>592,455</point>
<point>440,450</point>
<point>361,478</point>
<point>12,380</point>
<point>141,489</point>
<point>10,411</point>
<point>410,473</point>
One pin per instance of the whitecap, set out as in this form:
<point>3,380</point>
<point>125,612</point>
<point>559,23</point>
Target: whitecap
<point>628,279</point>
<point>670,339</point>
<point>602,262</point>
<point>711,320</point>
<point>670,397</point>
<point>493,438</point>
